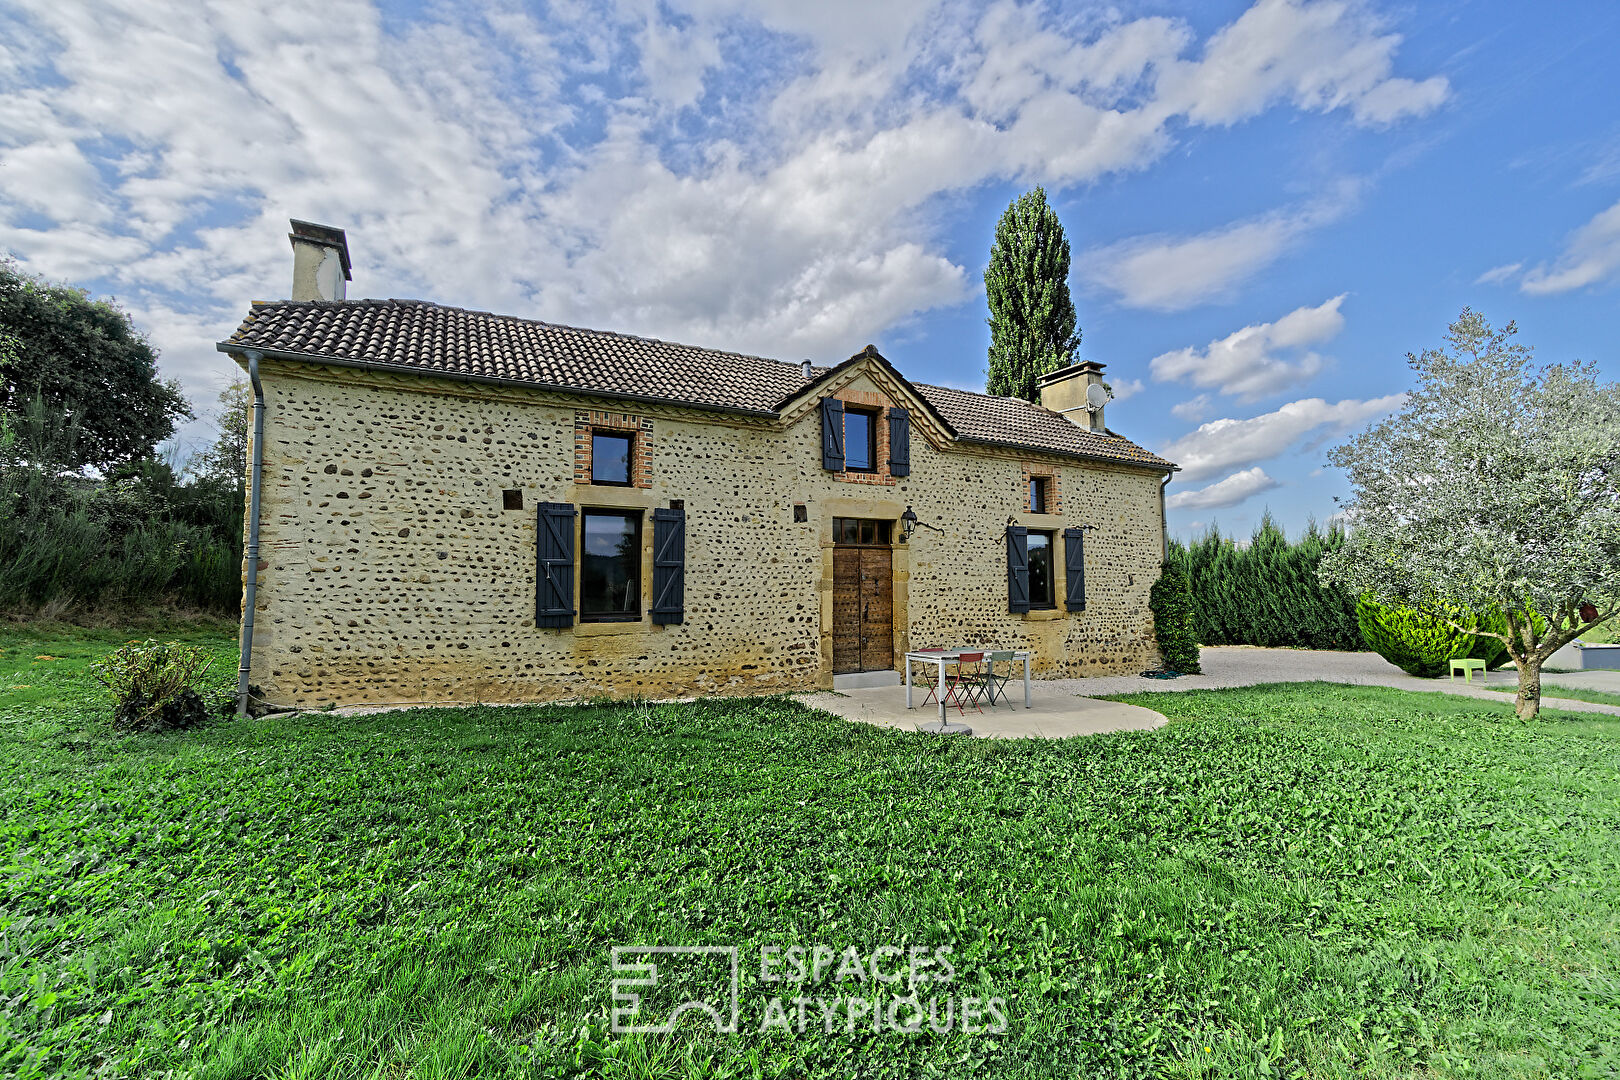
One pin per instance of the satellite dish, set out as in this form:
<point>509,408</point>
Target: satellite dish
<point>1096,396</point>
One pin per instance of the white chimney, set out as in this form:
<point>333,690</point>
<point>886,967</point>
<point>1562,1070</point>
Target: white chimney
<point>320,261</point>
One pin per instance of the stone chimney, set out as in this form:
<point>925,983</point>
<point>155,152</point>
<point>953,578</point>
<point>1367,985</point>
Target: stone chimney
<point>1068,391</point>
<point>320,261</point>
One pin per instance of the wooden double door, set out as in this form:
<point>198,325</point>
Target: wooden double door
<point>863,607</point>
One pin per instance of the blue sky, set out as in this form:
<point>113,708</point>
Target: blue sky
<point>1269,203</point>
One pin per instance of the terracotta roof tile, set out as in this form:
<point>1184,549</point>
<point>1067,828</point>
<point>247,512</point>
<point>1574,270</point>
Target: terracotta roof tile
<point>421,336</point>
<point>1015,422</point>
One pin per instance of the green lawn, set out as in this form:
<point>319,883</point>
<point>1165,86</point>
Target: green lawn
<point>1299,880</point>
<point>1607,634</point>
<point>1576,693</point>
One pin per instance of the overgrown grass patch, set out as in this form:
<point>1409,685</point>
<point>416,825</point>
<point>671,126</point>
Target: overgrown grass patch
<point>1299,880</point>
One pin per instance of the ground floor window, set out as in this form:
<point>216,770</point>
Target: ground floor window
<point>1040,569</point>
<point>610,566</point>
<point>860,531</point>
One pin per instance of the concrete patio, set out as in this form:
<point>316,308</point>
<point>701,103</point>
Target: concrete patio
<point>1066,707</point>
<point>1241,665</point>
<point>1055,713</point>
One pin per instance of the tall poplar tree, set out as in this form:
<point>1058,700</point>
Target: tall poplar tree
<point>1032,321</point>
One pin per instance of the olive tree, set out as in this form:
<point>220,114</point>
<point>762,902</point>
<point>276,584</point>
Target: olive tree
<point>1496,487</point>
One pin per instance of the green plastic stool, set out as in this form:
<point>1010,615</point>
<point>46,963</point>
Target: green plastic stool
<point>1467,666</point>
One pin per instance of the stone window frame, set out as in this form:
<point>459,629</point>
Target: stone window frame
<point>1054,494</point>
<point>640,429</point>
<point>870,401</point>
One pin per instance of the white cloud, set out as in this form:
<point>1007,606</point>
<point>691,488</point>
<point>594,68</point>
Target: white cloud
<point>1246,362</point>
<point>1221,445</point>
<point>1229,492</point>
<point>1171,273</point>
<point>1591,255</point>
<point>1318,56</point>
<point>628,164</point>
<point>1193,409</point>
<point>1498,274</point>
<point>1126,388</point>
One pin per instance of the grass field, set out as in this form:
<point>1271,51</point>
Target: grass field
<point>1576,693</point>
<point>1299,880</point>
<point>1607,634</point>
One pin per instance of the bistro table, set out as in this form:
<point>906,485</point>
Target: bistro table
<point>940,657</point>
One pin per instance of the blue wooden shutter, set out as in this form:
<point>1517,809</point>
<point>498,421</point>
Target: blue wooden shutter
<point>554,567</point>
<point>1017,569</point>
<point>832,434</point>
<point>669,566</point>
<point>1074,565</point>
<point>899,442</point>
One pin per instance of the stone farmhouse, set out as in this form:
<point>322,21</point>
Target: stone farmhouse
<point>456,506</point>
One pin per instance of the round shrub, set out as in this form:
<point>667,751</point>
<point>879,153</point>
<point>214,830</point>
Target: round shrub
<point>1491,650</point>
<point>1421,645</point>
<point>184,710</point>
<point>154,685</point>
<point>1170,600</point>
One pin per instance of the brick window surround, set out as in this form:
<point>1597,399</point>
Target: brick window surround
<point>871,402</point>
<point>639,427</point>
<point>1054,497</point>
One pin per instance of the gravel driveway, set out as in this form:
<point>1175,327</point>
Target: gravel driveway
<point>1229,666</point>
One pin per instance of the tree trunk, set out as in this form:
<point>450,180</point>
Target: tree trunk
<point>1528,702</point>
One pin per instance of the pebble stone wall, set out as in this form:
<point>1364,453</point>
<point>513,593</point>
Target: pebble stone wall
<point>391,573</point>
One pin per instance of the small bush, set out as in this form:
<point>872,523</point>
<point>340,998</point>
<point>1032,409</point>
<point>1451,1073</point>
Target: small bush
<point>1172,606</point>
<point>154,686</point>
<point>1424,646</point>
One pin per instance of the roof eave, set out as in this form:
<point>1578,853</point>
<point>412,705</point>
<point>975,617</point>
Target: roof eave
<point>1158,467</point>
<point>488,380</point>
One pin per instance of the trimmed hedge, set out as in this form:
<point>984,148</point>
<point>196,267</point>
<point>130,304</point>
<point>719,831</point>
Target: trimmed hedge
<point>1172,605</point>
<point>1266,592</point>
<point>1424,646</point>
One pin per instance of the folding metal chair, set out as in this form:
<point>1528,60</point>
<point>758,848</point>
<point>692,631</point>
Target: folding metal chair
<point>933,685</point>
<point>995,682</point>
<point>966,682</point>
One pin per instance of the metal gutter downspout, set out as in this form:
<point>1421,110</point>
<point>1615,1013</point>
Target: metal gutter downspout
<point>1164,520</point>
<point>250,592</point>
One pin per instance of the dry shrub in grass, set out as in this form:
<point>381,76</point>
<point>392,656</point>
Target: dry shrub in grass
<point>154,685</point>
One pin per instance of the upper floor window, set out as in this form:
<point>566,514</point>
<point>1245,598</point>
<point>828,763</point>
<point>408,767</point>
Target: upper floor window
<point>1037,495</point>
<point>860,441</point>
<point>610,457</point>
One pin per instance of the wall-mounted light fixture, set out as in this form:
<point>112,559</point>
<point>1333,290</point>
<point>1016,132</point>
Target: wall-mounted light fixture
<point>909,522</point>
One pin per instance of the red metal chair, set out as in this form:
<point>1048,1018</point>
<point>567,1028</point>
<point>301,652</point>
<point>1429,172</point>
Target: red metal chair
<point>966,682</point>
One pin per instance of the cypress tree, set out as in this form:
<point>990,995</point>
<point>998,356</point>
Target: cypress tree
<point>1267,592</point>
<point>1032,320</point>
